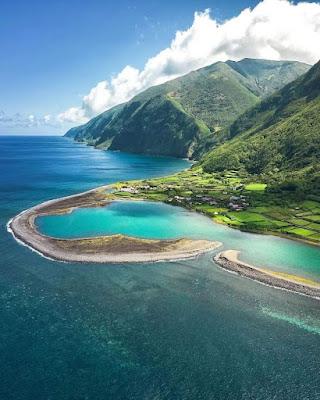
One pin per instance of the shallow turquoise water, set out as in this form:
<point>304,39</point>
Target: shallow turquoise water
<point>142,219</point>
<point>162,221</point>
<point>167,331</point>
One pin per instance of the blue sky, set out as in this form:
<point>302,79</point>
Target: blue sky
<point>53,53</point>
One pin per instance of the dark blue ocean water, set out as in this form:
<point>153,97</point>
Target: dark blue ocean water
<point>182,330</point>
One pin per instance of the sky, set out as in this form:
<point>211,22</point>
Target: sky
<point>63,62</point>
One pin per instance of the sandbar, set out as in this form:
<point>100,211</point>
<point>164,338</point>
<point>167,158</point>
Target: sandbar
<point>229,260</point>
<point>100,249</point>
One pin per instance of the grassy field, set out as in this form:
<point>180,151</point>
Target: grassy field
<point>256,186</point>
<point>216,195</point>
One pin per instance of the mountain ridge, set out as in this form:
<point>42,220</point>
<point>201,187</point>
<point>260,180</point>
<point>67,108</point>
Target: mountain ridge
<point>185,114</point>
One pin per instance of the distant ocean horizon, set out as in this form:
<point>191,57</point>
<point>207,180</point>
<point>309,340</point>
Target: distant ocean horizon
<point>170,330</point>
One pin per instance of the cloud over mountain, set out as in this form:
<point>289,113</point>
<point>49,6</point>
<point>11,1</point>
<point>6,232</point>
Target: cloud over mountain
<point>274,29</point>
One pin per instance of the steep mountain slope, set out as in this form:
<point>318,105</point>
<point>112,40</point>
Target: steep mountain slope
<point>180,118</point>
<point>174,131</point>
<point>95,128</point>
<point>278,137</point>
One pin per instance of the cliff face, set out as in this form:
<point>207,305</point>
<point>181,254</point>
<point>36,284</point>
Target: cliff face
<point>182,117</point>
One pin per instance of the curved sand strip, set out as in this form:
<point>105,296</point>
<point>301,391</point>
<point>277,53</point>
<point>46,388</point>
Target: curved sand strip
<point>229,260</point>
<point>102,249</point>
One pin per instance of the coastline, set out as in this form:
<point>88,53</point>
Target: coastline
<point>101,249</point>
<point>257,232</point>
<point>112,248</point>
<point>229,260</point>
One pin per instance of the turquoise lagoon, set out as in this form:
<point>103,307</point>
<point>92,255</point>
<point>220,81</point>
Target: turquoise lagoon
<point>155,220</point>
<point>143,219</point>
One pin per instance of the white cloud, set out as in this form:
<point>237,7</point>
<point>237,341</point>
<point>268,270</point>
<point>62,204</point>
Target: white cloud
<point>73,115</point>
<point>126,84</point>
<point>274,29</point>
<point>47,118</point>
<point>29,121</point>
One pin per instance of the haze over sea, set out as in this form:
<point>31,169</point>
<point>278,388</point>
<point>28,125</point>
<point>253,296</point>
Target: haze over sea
<point>179,330</point>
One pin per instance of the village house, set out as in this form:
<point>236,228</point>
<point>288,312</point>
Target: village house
<point>235,207</point>
<point>129,189</point>
<point>237,203</point>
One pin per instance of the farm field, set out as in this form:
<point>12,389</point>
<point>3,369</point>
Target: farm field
<point>242,202</point>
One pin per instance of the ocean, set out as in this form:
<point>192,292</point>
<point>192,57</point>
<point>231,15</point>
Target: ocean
<point>168,330</point>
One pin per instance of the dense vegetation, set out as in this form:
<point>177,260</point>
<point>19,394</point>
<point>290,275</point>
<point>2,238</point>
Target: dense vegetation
<point>278,139</point>
<point>173,130</point>
<point>183,117</point>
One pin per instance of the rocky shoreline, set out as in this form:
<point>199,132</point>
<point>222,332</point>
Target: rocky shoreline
<point>101,249</point>
<point>229,261</point>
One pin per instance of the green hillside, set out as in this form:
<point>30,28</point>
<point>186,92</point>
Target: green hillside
<point>182,117</point>
<point>279,138</point>
<point>174,131</point>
